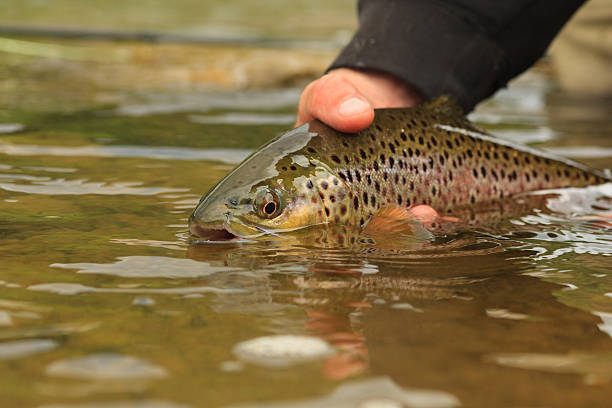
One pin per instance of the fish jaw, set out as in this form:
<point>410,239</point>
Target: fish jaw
<point>214,220</point>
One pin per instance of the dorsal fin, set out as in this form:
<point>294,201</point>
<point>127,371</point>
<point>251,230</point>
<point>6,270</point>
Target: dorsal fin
<point>445,104</point>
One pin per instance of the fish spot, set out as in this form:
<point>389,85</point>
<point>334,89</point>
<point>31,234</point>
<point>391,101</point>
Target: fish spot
<point>392,148</point>
<point>327,211</point>
<point>566,173</point>
<point>472,199</point>
<point>434,141</point>
<point>324,185</point>
<point>505,156</point>
<point>356,203</point>
<point>449,144</point>
<point>403,136</point>
<point>470,154</point>
<point>369,179</point>
<point>534,174</point>
<point>293,168</point>
<point>546,177</point>
<point>412,186</point>
<point>357,175</point>
<point>346,159</point>
<point>377,186</point>
<point>313,200</point>
<point>309,185</point>
<point>383,144</point>
<point>412,138</point>
<point>421,141</point>
<point>441,159</point>
<point>378,128</point>
<point>433,191</point>
<point>311,150</point>
<point>332,198</point>
<point>417,152</point>
<point>527,160</point>
<point>362,154</point>
<point>396,178</point>
<point>342,175</point>
<point>365,198</point>
<point>460,161</point>
<point>343,209</point>
<point>385,176</point>
<point>284,168</point>
<point>349,176</point>
<point>483,171</point>
<point>335,181</point>
<point>335,158</point>
<point>475,172</point>
<point>373,201</point>
<point>371,150</point>
<point>391,162</point>
<point>345,144</point>
<point>403,180</point>
<point>375,165</point>
<point>399,199</point>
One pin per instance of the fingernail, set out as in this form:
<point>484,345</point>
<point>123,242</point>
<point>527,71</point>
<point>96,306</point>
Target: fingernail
<point>353,106</point>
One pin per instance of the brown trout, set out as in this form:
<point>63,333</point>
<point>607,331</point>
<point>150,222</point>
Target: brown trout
<point>430,154</point>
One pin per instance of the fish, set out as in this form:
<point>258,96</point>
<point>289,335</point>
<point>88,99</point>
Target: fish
<point>425,155</point>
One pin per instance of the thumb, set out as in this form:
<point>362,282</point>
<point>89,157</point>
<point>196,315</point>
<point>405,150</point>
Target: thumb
<point>335,101</point>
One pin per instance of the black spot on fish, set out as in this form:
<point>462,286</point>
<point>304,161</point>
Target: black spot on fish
<point>372,137</point>
<point>293,168</point>
<point>335,158</point>
<point>469,153</point>
<point>379,128</point>
<point>527,160</point>
<point>356,203</point>
<point>483,171</point>
<point>382,159</point>
<point>433,191</point>
<point>494,174</point>
<point>342,209</point>
<point>375,164</point>
<point>392,148</point>
<point>410,152</point>
<point>362,154</point>
<point>412,139</point>
<point>404,180</point>
<point>431,163</point>
<point>365,198</point>
<point>342,176</point>
<point>309,184</point>
<point>383,144</point>
<point>346,159</point>
<point>284,168</point>
<point>345,144</point>
<point>335,181</point>
<point>369,179</point>
<point>421,141</point>
<point>403,136</point>
<point>441,158</point>
<point>324,185</point>
<point>516,161</point>
<point>472,199</point>
<point>475,172</point>
<point>417,152</point>
<point>412,186</point>
<point>385,176</point>
<point>377,186</point>
<point>546,177</point>
<point>391,162</point>
<point>495,155</point>
<point>534,174</point>
<point>349,176</point>
<point>399,199</point>
<point>396,178</point>
<point>566,173</point>
<point>527,177</point>
<point>327,211</point>
<point>449,144</point>
<point>357,175</point>
<point>311,150</point>
<point>460,161</point>
<point>371,150</point>
<point>434,141</point>
<point>373,201</point>
<point>332,198</point>
<point>486,155</point>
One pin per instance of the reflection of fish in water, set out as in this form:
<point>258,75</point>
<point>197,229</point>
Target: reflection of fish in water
<point>424,155</point>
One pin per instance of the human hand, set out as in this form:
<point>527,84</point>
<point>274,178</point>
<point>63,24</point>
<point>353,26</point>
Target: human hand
<point>345,98</point>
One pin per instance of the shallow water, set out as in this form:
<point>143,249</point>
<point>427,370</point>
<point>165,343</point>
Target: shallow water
<point>103,303</point>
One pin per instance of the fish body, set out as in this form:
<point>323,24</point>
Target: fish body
<point>430,154</point>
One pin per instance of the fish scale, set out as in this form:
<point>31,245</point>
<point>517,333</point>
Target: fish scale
<point>427,155</point>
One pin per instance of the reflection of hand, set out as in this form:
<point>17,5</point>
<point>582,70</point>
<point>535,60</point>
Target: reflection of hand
<point>345,98</point>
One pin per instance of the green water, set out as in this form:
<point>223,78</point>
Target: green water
<point>104,304</point>
<point>102,300</point>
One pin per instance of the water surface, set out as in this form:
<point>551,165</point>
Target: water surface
<point>103,303</point>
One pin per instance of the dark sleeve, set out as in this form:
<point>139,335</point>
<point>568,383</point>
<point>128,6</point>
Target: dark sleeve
<point>466,48</point>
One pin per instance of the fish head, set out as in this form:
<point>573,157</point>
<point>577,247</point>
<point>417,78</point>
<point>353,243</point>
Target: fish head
<point>276,189</point>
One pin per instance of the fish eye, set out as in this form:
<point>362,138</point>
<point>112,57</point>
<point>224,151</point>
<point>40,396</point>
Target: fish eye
<point>267,205</point>
<point>269,208</point>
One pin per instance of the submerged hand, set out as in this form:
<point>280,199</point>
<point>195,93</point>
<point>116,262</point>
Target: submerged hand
<point>345,98</point>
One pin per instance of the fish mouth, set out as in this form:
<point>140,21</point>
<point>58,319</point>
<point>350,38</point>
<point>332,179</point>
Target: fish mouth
<point>210,234</point>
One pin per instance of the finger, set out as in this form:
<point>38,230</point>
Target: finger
<point>335,101</point>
